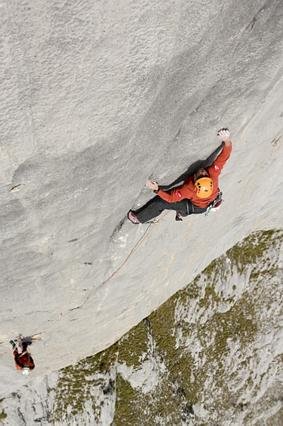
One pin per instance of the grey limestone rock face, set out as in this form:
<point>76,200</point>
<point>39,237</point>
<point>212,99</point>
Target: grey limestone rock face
<point>95,97</point>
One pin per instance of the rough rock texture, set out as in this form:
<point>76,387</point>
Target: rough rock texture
<point>96,97</point>
<point>210,355</point>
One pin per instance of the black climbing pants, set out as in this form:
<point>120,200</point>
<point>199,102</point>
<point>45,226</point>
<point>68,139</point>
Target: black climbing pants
<point>156,205</point>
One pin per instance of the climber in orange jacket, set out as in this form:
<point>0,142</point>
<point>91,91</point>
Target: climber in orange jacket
<point>195,196</point>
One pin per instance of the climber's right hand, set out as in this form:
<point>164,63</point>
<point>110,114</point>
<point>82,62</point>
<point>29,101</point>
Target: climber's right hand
<point>151,184</point>
<point>224,135</point>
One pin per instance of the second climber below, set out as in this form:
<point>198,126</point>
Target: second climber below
<point>195,196</point>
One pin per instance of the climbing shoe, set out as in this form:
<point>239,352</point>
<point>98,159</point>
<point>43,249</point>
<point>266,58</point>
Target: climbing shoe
<point>132,217</point>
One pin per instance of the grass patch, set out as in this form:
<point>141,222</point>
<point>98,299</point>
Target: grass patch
<point>133,346</point>
<point>75,383</point>
<point>3,416</point>
<point>126,403</point>
<point>253,248</point>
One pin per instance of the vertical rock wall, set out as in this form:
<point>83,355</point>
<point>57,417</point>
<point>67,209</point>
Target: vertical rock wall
<point>95,98</point>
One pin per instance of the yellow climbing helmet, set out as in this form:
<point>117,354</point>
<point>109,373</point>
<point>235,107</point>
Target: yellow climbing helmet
<point>204,186</point>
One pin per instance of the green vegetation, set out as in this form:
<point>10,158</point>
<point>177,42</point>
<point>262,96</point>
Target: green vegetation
<point>133,346</point>
<point>3,416</point>
<point>216,270</point>
<point>253,248</point>
<point>210,298</point>
<point>127,413</point>
<point>239,323</point>
<point>75,383</point>
<point>191,352</point>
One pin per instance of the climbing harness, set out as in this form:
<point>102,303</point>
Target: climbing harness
<point>192,209</point>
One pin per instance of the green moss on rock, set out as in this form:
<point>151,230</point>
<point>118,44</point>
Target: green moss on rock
<point>3,416</point>
<point>135,408</point>
<point>126,404</point>
<point>75,383</point>
<point>217,269</point>
<point>133,346</point>
<point>253,248</point>
<point>162,327</point>
<point>239,323</point>
<point>210,297</point>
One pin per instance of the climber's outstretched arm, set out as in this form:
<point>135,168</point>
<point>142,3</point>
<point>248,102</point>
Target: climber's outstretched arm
<point>218,164</point>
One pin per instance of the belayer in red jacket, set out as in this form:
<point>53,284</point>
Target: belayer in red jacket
<point>195,196</point>
<point>22,357</point>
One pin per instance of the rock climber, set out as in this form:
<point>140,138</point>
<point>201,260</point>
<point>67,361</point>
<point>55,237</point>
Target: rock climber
<point>22,357</point>
<point>198,193</point>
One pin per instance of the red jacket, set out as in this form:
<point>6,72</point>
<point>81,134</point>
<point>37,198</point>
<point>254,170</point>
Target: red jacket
<point>23,359</point>
<point>188,189</point>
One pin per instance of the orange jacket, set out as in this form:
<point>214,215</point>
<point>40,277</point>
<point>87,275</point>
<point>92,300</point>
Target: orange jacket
<point>188,189</point>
